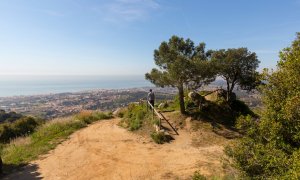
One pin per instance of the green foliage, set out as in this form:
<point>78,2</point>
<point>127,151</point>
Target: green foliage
<point>237,66</point>
<point>181,63</point>
<point>134,116</point>
<point>155,121</point>
<point>121,112</point>
<point>20,127</point>
<point>247,125</point>
<point>270,149</point>
<point>159,137</point>
<point>198,176</point>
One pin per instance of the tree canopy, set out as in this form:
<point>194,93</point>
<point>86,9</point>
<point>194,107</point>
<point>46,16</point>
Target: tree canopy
<point>181,63</point>
<point>237,66</point>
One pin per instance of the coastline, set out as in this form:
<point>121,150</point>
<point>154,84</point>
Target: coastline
<point>54,105</point>
<point>28,85</point>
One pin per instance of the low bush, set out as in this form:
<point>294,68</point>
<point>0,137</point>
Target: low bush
<point>198,176</point>
<point>20,127</point>
<point>121,112</point>
<point>247,125</point>
<point>134,116</point>
<point>159,137</point>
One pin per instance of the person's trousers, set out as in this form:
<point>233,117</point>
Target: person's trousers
<point>151,102</point>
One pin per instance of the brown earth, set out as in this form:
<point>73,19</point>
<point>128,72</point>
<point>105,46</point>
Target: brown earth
<point>106,151</point>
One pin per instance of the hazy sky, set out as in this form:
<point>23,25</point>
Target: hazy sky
<point>119,36</point>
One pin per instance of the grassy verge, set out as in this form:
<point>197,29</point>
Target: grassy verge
<point>136,116</point>
<point>160,137</point>
<point>46,137</point>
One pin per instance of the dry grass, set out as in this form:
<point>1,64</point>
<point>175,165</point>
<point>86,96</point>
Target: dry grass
<point>20,141</point>
<point>84,114</point>
<point>62,120</point>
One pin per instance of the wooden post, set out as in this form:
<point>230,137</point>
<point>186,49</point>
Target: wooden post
<point>159,123</point>
<point>147,105</point>
<point>152,113</point>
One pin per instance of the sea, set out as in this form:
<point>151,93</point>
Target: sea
<point>22,85</point>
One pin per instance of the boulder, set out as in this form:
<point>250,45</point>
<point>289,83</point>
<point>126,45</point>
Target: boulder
<point>197,99</point>
<point>219,94</point>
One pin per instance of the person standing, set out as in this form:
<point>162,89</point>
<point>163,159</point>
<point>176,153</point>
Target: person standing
<point>151,97</point>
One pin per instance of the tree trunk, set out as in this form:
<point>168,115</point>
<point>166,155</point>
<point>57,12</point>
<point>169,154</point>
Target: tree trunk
<point>228,93</point>
<point>231,89</point>
<point>1,165</point>
<point>181,99</point>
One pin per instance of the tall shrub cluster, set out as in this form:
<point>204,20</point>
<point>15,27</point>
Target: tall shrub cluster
<point>271,147</point>
<point>20,127</point>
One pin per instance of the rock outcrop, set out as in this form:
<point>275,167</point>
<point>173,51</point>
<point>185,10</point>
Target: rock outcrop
<point>219,94</point>
<point>197,99</point>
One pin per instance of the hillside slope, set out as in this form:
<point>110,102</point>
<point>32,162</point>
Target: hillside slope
<point>106,151</point>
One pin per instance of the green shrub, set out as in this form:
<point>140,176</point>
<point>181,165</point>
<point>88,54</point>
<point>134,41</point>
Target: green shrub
<point>121,112</point>
<point>155,121</point>
<point>247,125</point>
<point>159,137</point>
<point>24,126</point>
<point>6,133</point>
<point>134,116</point>
<point>20,127</point>
<point>198,176</point>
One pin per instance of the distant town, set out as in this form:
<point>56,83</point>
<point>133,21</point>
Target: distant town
<point>62,104</point>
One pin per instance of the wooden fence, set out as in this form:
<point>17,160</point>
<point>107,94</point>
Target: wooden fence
<point>161,117</point>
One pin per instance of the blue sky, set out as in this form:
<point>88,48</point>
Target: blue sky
<point>117,37</point>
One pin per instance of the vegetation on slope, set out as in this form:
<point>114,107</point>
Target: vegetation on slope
<point>271,146</point>
<point>135,116</point>
<point>20,127</point>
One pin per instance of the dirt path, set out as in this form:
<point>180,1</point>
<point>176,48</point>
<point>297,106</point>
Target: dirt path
<point>106,151</point>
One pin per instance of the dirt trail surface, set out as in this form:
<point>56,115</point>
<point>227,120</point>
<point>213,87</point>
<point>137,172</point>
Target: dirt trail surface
<point>106,151</point>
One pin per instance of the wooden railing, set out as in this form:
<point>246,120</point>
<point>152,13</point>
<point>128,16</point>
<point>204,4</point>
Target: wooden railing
<point>161,117</point>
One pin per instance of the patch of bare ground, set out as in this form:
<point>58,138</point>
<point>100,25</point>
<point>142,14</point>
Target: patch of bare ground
<point>105,150</point>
